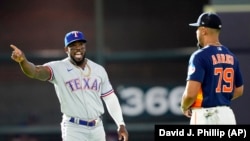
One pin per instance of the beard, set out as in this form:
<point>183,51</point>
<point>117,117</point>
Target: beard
<point>77,61</point>
<point>199,45</point>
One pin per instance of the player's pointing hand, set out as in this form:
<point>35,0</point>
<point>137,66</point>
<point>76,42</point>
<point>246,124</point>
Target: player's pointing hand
<point>17,54</point>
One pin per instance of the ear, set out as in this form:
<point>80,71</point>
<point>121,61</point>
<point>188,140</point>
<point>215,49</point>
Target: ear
<point>204,31</point>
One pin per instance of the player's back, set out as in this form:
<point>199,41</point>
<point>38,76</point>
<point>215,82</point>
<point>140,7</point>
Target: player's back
<point>217,68</point>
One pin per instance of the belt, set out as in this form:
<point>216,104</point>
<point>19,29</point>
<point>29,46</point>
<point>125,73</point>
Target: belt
<point>83,122</point>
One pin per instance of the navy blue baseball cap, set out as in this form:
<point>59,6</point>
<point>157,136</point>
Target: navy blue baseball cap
<point>208,19</point>
<point>74,36</point>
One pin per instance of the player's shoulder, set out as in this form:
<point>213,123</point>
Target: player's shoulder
<point>204,50</point>
<point>93,64</point>
<point>198,52</point>
<point>57,62</point>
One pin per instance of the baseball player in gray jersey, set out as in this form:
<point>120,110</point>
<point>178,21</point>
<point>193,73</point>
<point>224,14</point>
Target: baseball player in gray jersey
<point>80,85</point>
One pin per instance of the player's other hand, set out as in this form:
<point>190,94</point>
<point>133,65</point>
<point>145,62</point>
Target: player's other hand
<point>188,113</point>
<point>122,133</point>
<point>17,54</point>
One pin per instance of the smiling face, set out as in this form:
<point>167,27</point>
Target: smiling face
<point>77,52</point>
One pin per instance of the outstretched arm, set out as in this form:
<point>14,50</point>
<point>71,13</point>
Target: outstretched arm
<point>29,69</point>
<point>114,109</point>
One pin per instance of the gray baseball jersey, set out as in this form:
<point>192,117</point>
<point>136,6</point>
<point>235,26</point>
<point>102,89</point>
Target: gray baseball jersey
<point>79,90</point>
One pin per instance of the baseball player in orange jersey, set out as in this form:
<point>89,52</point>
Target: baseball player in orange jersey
<point>80,85</point>
<point>214,77</point>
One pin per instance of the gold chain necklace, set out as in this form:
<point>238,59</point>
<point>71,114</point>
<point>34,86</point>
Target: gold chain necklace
<point>86,69</point>
<point>82,70</point>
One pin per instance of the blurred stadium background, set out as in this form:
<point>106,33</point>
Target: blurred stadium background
<point>143,44</point>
